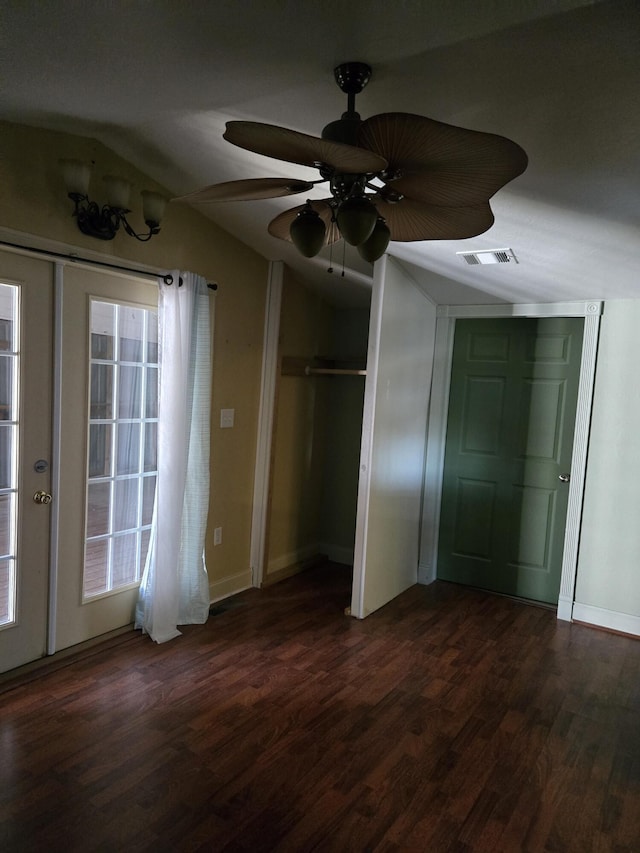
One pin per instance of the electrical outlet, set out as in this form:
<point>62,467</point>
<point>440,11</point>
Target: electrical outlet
<point>217,536</point>
<point>227,417</point>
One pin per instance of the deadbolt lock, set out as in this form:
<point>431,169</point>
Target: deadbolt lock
<point>42,497</point>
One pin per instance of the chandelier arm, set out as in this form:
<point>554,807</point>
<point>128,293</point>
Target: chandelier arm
<point>104,222</point>
<point>154,228</point>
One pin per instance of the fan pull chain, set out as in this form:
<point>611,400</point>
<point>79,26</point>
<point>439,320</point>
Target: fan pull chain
<point>344,252</point>
<point>333,223</point>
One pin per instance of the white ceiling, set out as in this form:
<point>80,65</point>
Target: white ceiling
<point>156,80</point>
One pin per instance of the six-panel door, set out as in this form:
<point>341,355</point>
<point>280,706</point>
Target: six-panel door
<point>513,396</point>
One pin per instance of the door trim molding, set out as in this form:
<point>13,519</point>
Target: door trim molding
<point>578,466</point>
<point>56,449</point>
<point>437,428</point>
<point>265,421</point>
<point>591,308</point>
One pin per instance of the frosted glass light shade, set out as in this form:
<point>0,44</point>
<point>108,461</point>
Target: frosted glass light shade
<point>356,219</point>
<point>76,175</point>
<point>118,191</point>
<point>307,232</point>
<point>376,245</point>
<point>153,205</point>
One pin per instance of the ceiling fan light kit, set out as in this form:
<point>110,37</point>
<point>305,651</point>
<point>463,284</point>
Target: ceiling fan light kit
<point>394,176</point>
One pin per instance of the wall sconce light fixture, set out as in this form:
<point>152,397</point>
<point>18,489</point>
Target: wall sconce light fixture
<point>104,222</point>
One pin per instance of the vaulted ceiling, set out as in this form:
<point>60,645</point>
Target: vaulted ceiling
<point>156,82</point>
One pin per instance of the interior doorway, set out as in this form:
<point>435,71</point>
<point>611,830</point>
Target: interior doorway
<point>448,316</point>
<point>510,428</point>
<point>318,395</point>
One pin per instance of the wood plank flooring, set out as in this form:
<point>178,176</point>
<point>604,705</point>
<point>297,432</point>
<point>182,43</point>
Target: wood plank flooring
<point>451,720</point>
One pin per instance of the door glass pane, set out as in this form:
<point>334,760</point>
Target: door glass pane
<point>122,427</point>
<point>152,337</point>
<point>129,396</point>
<point>125,516</point>
<point>148,496</point>
<point>9,372</point>
<point>151,410</point>
<point>98,506</point>
<point>7,440</point>
<point>103,321</point>
<point>100,449</point>
<point>125,560</point>
<point>128,455</point>
<point>132,332</point>
<point>96,567</point>
<point>101,405</point>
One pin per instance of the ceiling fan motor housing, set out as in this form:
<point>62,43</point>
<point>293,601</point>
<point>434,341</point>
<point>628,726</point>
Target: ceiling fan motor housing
<point>345,129</point>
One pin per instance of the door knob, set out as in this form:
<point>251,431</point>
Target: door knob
<point>564,478</point>
<point>42,497</point>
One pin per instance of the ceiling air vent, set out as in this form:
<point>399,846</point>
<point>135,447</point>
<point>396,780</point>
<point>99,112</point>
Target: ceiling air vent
<point>489,256</point>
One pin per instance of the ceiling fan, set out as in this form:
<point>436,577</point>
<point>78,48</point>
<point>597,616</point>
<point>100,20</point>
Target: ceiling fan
<point>394,176</point>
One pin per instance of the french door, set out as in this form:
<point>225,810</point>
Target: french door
<point>26,307</point>
<point>99,504</point>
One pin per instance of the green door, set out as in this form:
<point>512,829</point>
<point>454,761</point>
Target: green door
<point>514,388</point>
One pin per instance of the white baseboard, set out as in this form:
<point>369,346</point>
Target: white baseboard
<point>565,609</point>
<point>426,573</point>
<point>230,586</point>
<point>611,619</point>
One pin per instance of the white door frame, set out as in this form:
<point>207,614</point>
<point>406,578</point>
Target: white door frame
<point>437,429</point>
<point>265,421</point>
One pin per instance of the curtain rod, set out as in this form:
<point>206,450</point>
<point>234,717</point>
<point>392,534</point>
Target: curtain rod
<point>167,277</point>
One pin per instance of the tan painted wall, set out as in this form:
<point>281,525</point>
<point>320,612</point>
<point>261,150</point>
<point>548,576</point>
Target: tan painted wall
<point>298,442</point>
<point>33,201</point>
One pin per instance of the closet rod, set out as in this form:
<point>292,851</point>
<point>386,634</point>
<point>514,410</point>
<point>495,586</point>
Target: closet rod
<point>167,277</point>
<point>332,371</point>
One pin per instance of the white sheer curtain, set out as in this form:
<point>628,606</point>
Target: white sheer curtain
<point>175,587</point>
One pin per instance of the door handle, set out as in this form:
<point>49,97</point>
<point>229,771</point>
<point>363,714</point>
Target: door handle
<point>41,497</point>
<point>564,478</point>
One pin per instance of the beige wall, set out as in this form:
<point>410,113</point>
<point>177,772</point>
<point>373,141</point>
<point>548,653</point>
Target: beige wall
<point>33,201</point>
<point>298,448</point>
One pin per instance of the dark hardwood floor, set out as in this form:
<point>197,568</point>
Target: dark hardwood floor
<point>450,720</point>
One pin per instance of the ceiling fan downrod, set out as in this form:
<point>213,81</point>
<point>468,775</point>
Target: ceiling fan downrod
<point>351,77</point>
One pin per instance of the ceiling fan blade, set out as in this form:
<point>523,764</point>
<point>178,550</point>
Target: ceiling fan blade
<point>410,220</point>
<point>440,163</point>
<point>279,227</point>
<point>294,147</point>
<point>248,190</point>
